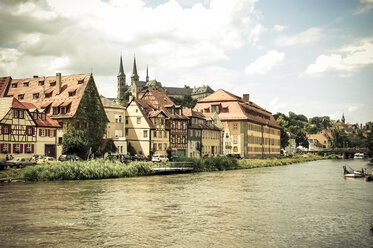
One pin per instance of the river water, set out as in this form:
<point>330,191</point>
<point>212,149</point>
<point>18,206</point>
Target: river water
<point>301,205</point>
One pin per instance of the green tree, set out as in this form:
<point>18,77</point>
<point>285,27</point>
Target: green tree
<point>125,98</point>
<point>75,143</point>
<point>185,101</point>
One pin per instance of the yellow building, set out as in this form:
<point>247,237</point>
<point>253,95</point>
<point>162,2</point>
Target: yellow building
<point>211,139</point>
<point>26,131</point>
<point>115,128</point>
<point>253,131</point>
<point>324,138</point>
<point>138,126</point>
<point>160,134</point>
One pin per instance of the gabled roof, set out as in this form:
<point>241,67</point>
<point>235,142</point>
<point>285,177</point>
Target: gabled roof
<point>69,83</point>
<point>191,113</point>
<point>108,103</point>
<point>220,95</point>
<point>141,107</point>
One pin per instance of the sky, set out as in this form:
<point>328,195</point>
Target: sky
<point>311,57</point>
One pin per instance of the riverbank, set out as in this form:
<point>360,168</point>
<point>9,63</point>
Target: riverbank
<point>102,169</point>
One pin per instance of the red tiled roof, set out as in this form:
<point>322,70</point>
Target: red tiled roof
<point>69,83</point>
<point>220,95</point>
<point>4,83</point>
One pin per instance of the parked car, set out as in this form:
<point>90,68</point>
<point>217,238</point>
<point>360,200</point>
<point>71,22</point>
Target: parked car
<point>159,158</point>
<point>19,162</point>
<point>69,157</point>
<point>36,157</point>
<point>139,157</point>
<point>47,160</point>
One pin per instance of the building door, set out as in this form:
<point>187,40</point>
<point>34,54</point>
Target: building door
<point>50,150</point>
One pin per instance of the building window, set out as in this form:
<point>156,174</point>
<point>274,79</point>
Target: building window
<point>80,81</point>
<point>138,120</point>
<point>4,148</point>
<point>42,132</point>
<point>137,110</point>
<point>162,121</point>
<point>145,133</point>
<point>35,115</point>
<point>72,93</point>
<point>165,134</point>
<point>184,140</point>
<point>184,125</point>
<point>14,85</point>
<point>28,148</point>
<point>165,146</point>
<point>30,131</point>
<point>126,131</point>
<point>41,83</point>
<point>155,134</point>
<point>178,125</point>
<point>43,116</point>
<point>235,139</point>
<point>215,108</point>
<point>55,110</point>
<point>178,140</point>
<point>126,119</point>
<point>35,96</point>
<point>25,84</point>
<point>48,95</point>
<point>17,148</point>
<point>21,96</point>
<point>52,83</point>
<point>6,129</point>
<point>18,114</point>
<point>63,110</point>
<point>154,146</point>
<point>235,149</point>
<point>59,140</point>
<point>160,146</point>
<point>235,126</point>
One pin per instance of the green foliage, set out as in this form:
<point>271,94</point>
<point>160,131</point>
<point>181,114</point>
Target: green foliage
<point>130,149</point>
<point>125,98</point>
<point>74,142</point>
<point>211,164</point>
<point>186,101</point>
<point>82,170</point>
<point>110,146</point>
<point>89,120</point>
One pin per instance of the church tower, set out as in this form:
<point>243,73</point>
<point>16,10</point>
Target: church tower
<point>121,78</point>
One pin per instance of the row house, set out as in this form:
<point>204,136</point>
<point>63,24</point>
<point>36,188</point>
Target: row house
<point>253,131</point>
<point>25,130</point>
<point>115,128</point>
<point>211,139</point>
<point>72,100</point>
<point>178,122</point>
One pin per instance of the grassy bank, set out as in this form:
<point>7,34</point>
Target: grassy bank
<point>101,169</point>
<point>83,170</point>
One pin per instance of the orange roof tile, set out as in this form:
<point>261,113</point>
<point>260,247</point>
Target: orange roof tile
<point>69,83</point>
<point>4,83</point>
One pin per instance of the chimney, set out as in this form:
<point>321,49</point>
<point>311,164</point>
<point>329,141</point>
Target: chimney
<point>58,83</point>
<point>246,97</point>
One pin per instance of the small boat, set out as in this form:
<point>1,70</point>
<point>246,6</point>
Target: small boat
<point>353,173</point>
<point>359,155</point>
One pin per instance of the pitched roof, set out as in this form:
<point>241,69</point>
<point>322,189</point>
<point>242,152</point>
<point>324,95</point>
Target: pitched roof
<point>178,91</point>
<point>71,83</point>
<point>236,108</point>
<point>202,89</point>
<point>4,83</point>
<point>220,95</point>
<point>108,103</point>
<point>5,105</point>
<point>121,71</point>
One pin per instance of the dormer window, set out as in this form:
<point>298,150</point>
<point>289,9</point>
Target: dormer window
<point>35,115</point>
<point>48,95</point>
<point>25,84</point>
<point>35,96</point>
<point>21,96</point>
<point>207,110</point>
<point>42,116</point>
<point>55,110</point>
<point>41,83</point>
<point>52,83</point>
<point>63,110</point>
<point>14,85</point>
<point>72,93</point>
<point>80,81</point>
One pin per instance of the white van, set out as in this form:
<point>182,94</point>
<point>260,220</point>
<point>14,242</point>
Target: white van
<point>159,158</point>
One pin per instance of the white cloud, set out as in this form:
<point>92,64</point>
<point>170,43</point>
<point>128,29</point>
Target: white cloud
<point>308,36</point>
<point>279,28</point>
<point>364,6</point>
<point>92,33</point>
<point>353,108</point>
<point>265,63</point>
<point>348,59</point>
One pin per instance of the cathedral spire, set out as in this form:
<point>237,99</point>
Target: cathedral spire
<point>134,70</point>
<point>121,71</point>
<point>147,74</point>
